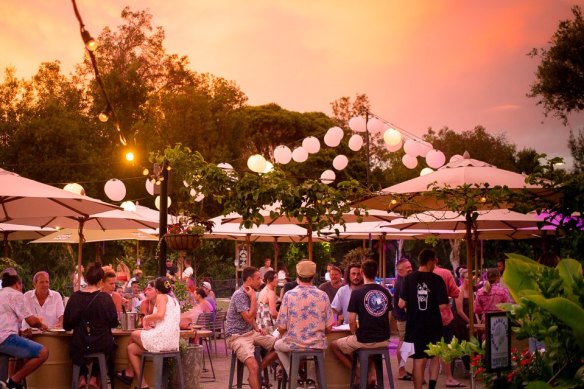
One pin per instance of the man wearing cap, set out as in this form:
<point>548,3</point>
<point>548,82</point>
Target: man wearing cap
<point>241,330</point>
<point>305,316</point>
<point>371,303</point>
<point>44,302</point>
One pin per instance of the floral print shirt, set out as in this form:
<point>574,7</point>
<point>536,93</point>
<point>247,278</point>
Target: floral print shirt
<point>305,313</point>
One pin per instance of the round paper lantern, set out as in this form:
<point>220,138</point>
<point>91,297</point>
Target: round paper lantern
<point>150,187</point>
<point>411,147</point>
<point>157,202</point>
<point>269,167</point>
<point>340,162</point>
<point>282,154</point>
<point>311,144</point>
<point>410,161</point>
<point>128,206</point>
<point>75,188</point>
<point>299,154</point>
<point>357,124</point>
<point>115,190</point>
<point>356,142</point>
<point>333,136</point>
<point>375,125</point>
<point>328,177</point>
<point>423,148</point>
<point>256,163</point>
<point>435,159</point>
<point>396,147</point>
<point>425,171</point>
<point>392,137</point>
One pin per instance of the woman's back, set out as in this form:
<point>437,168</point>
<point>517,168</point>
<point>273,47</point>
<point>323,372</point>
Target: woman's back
<point>166,332</point>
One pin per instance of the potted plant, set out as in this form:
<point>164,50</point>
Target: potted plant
<point>187,233</point>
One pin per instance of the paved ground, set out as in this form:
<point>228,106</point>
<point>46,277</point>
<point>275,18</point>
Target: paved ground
<point>221,364</point>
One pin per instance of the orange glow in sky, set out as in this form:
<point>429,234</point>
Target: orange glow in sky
<point>425,63</point>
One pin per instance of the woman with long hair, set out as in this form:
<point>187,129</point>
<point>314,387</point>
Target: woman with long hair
<point>267,299</point>
<point>91,314</point>
<point>161,331</point>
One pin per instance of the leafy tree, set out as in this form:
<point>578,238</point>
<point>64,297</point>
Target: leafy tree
<point>559,85</point>
<point>344,109</point>
<point>576,144</point>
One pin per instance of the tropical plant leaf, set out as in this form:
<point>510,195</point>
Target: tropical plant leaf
<point>565,310</point>
<point>516,276</point>
<point>570,272</point>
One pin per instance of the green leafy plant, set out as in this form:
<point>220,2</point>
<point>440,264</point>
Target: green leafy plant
<point>454,349</point>
<point>182,294</point>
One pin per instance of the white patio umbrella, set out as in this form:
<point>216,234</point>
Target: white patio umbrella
<point>455,177</point>
<point>350,217</point>
<point>69,235</point>
<point>19,232</point>
<point>22,198</point>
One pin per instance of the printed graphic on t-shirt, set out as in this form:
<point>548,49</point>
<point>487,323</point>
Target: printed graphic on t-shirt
<point>423,291</point>
<point>376,303</point>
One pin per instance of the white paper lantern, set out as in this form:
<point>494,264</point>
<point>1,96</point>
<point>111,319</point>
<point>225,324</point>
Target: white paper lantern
<point>340,162</point>
<point>128,206</point>
<point>75,188</point>
<point>149,187</point>
<point>410,161</point>
<point>375,125</point>
<point>435,159</point>
<point>256,163</point>
<point>282,154</point>
<point>311,145</point>
<point>157,202</point>
<point>333,136</point>
<point>411,147</point>
<point>357,124</point>
<point>115,189</point>
<point>269,167</point>
<point>356,142</point>
<point>392,137</point>
<point>299,154</point>
<point>328,177</point>
<point>425,171</point>
<point>396,147</point>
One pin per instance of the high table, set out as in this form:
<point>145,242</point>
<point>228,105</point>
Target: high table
<point>337,375</point>
<point>56,372</point>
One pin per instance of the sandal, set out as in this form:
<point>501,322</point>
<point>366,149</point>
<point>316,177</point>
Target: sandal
<point>126,379</point>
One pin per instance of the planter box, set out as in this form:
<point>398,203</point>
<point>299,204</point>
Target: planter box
<point>182,241</point>
<point>192,364</point>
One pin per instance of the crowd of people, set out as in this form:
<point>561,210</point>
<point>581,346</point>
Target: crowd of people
<point>427,304</point>
<point>91,313</point>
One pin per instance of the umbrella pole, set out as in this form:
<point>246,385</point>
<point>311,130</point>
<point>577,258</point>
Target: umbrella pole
<point>382,257</point>
<point>276,252</point>
<point>469,267</point>
<point>309,232</point>
<point>248,245</point>
<point>235,255</point>
<point>5,244</point>
<point>79,256</point>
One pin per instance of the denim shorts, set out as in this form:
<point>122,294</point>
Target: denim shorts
<point>20,347</point>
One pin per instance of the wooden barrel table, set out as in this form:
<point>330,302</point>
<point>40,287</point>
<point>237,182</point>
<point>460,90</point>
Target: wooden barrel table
<point>337,375</point>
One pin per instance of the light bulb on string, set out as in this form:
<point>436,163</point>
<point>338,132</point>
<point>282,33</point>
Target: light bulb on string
<point>103,117</point>
<point>90,43</point>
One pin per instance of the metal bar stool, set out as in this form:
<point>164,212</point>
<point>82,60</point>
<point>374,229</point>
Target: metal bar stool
<point>102,370</point>
<point>296,356</point>
<point>363,356</point>
<point>234,361</point>
<point>160,373</point>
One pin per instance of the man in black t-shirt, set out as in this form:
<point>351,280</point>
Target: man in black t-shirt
<point>371,303</point>
<point>422,295</point>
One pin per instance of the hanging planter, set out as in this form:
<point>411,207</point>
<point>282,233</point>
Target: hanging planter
<point>182,241</point>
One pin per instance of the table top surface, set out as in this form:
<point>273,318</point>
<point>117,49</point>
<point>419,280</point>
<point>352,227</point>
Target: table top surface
<point>116,332</point>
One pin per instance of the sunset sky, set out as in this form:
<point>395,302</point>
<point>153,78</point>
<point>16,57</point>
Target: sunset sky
<point>425,63</point>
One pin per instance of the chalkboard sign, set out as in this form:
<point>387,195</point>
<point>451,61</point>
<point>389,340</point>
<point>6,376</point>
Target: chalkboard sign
<point>498,342</point>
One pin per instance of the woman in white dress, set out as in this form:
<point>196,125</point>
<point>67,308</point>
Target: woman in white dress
<point>161,331</point>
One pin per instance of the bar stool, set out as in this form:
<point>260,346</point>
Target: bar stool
<point>297,356</point>
<point>257,353</point>
<point>102,370</point>
<point>205,339</point>
<point>160,373</point>
<point>363,356</point>
<point>4,367</point>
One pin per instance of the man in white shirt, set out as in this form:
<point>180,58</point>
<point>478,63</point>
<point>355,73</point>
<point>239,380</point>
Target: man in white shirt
<point>188,271</point>
<point>267,267</point>
<point>340,303</point>
<point>44,302</point>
